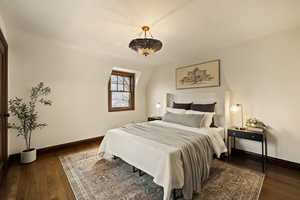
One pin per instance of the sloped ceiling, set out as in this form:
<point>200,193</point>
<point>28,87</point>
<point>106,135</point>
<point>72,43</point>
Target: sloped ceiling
<point>187,28</point>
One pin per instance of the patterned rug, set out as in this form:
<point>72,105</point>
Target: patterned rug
<point>94,179</point>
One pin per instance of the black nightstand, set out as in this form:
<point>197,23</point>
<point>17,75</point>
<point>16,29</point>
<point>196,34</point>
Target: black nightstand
<point>249,135</point>
<point>154,118</point>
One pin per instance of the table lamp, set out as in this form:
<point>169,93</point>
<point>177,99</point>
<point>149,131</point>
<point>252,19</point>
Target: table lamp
<point>158,108</point>
<point>236,108</point>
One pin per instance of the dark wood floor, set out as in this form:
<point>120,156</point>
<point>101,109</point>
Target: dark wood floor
<point>45,178</point>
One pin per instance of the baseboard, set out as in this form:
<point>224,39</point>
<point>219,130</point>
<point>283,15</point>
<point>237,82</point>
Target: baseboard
<point>60,146</point>
<point>250,155</point>
<point>271,160</point>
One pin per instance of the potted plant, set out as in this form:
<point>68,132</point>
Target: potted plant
<point>255,125</point>
<point>27,117</point>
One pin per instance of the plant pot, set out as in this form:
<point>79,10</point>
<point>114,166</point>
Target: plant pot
<point>28,156</point>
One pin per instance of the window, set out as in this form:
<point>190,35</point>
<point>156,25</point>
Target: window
<point>121,91</point>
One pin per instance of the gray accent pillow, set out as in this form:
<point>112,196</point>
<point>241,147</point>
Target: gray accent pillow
<point>191,120</point>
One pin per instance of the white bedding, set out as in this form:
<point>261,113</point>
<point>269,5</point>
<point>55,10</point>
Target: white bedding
<point>161,161</point>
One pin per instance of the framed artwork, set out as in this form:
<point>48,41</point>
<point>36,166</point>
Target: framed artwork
<point>199,75</point>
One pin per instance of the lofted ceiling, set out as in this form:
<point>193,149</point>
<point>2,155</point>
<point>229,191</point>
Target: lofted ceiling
<point>187,28</point>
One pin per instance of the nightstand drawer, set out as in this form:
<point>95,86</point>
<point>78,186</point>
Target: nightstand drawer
<point>245,135</point>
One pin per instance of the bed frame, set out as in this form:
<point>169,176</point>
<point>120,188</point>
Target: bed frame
<point>222,117</point>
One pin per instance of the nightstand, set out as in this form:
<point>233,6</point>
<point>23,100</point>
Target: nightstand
<point>249,135</point>
<point>154,118</point>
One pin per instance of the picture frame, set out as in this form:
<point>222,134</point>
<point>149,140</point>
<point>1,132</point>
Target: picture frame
<point>202,75</point>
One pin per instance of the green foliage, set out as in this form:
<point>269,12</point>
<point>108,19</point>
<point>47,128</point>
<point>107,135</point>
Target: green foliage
<point>26,114</point>
<point>253,122</point>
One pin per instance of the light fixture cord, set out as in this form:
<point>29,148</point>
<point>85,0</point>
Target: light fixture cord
<point>150,34</point>
<point>242,112</point>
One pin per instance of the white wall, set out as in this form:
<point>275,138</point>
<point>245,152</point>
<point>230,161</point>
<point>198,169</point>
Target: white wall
<point>79,90</point>
<point>261,74</point>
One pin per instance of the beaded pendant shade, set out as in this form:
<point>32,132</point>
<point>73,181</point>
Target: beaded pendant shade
<point>146,45</point>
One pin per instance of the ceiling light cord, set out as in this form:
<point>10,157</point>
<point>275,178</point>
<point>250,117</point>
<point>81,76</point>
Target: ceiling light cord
<point>146,30</point>
<point>149,34</point>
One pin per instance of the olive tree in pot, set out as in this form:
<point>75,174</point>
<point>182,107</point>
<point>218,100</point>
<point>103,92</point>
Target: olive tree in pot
<point>27,117</point>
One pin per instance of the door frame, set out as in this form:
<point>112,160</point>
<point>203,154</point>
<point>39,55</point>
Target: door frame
<point>4,84</point>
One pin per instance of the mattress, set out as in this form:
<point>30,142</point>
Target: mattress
<point>161,161</point>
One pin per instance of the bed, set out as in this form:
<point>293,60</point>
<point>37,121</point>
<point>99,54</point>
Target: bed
<point>155,148</point>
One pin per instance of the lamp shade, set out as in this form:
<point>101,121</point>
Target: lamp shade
<point>235,108</point>
<point>158,105</point>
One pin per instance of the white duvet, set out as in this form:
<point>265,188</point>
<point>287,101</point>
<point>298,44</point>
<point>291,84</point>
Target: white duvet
<point>158,160</point>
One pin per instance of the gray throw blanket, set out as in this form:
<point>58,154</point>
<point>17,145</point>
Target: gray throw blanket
<point>196,151</point>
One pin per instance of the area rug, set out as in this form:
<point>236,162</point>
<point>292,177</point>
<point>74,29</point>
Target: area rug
<point>92,178</point>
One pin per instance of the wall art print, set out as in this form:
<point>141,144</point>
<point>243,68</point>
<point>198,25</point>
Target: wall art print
<point>199,75</point>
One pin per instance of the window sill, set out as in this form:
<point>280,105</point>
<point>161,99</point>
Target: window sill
<point>120,109</point>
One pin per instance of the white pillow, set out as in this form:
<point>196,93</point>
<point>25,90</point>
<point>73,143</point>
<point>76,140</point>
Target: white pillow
<point>208,116</point>
<point>175,110</point>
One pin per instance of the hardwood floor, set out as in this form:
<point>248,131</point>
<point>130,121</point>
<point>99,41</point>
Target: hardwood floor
<point>45,178</point>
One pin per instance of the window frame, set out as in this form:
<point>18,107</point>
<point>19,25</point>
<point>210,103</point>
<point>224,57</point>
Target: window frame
<point>131,91</point>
